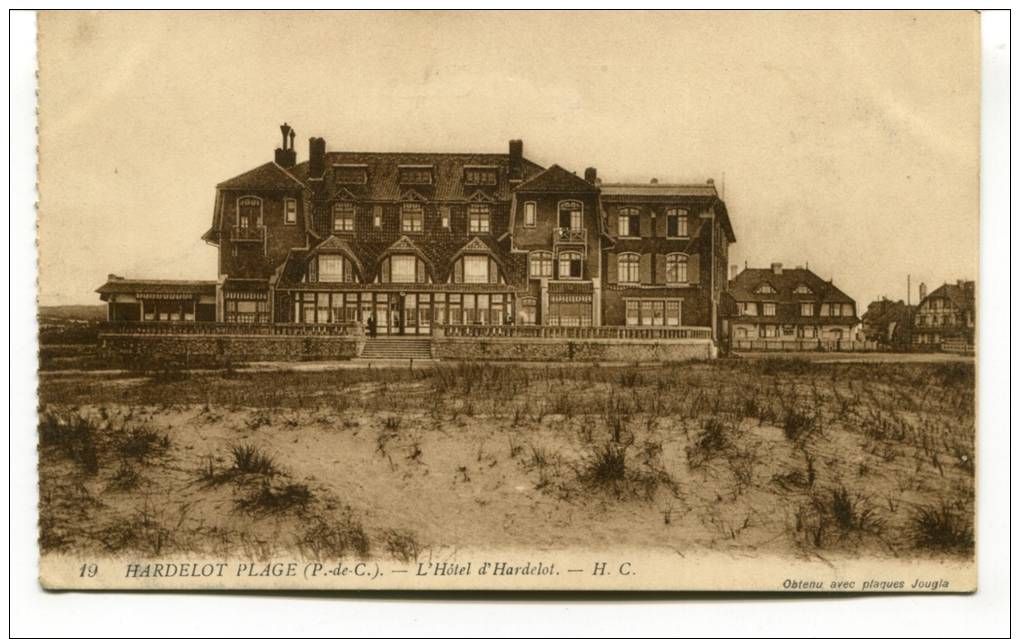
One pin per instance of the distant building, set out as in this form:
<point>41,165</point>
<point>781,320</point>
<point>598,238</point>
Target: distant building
<point>778,308</point>
<point>945,318</point>
<point>889,324</point>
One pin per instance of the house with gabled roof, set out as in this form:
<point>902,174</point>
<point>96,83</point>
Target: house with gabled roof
<point>945,318</point>
<point>416,240</point>
<point>780,307</point>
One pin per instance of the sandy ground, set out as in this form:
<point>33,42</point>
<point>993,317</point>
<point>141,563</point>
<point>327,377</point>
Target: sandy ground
<point>458,457</point>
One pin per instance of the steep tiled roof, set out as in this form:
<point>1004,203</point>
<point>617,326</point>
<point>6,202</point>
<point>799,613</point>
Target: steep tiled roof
<point>268,176</point>
<point>555,179</point>
<point>962,297</point>
<point>745,286</point>
<point>384,174</point>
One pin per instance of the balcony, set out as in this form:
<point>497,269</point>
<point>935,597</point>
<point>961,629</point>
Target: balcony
<point>248,233</point>
<point>563,235</point>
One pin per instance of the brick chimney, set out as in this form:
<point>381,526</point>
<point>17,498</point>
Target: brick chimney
<point>516,160</point>
<point>777,268</point>
<point>285,155</point>
<point>922,290</point>
<point>591,176</point>
<point>316,158</point>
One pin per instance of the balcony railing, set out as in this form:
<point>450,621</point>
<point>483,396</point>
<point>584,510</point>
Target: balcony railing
<point>659,333</point>
<point>563,235</point>
<point>344,329</point>
<point>248,233</point>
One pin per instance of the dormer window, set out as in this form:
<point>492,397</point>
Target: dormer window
<point>416,174</point>
<point>480,176</point>
<point>330,267</point>
<point>343,216</point>
<point>403,268</point>
<point>478,218</point>
<point>765,289</point>
<point>411,218</point>
<point>350,173</point>
<point>802,289</point>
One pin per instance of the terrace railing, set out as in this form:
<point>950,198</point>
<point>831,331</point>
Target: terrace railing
<point>576,332</point>
<point>800,345</point>
<point>344,329</point>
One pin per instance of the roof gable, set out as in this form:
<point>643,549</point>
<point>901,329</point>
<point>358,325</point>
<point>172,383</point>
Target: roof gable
<point>748,286</point>
<point>268,176</point>
<point>555,179</point>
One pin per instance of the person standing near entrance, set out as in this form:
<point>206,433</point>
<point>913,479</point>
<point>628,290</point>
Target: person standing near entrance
<point>371,325</point>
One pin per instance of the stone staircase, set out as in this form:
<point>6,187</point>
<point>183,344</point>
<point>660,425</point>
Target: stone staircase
<point>397,348</point>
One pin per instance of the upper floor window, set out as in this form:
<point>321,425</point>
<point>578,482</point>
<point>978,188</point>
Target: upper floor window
<point>629,224</point>
<point>289,211</point>
<point>848,310</point>
<point>343,216</point>
<point>403,268</point>
<point>748,308</point>
<point>249,212</point>
<point>350,173</point>
<point>540,264</point>
<point>807,309</point>
<point>802,289</point>
<point>476,269</point>
<point>571,215</point>
<point>676,268</point>
<point>377,212</point>
<point>411,217</point>
<point>480,176</point>
<point>570,265</point>
<point>765,289</point>
<point>416,175</point>
<point>478,218</point>
<point>676,223</point>
<point>768,309</point>
<point>629,268</point>
<point>529,213</point>
<point>334,268</point>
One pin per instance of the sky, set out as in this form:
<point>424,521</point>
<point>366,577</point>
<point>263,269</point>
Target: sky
<point>848,142</point>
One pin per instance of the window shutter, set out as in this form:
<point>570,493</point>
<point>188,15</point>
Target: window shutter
<point>385,270</point>
<point>612,275</point>
<point>646,268</point>
<point>694,268</point>
<point>660,267</point>
<point>493,272</point>
<point>660,227</point>
<point>645,224</point>
<point>458,271</point>
<point>614,222</point>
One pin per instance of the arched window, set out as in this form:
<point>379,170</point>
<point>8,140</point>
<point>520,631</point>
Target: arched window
<point>476,269</point>
<point>478,218</point>
<point>404,268</point>
<point>540,264</point>
<point>249,212</point>
<point>629,268</point>
<point>570,265</point>
<point>571,215</point>
<point>412,217</point>
<point>676,223</point>
<point>343,216</point>
<point>629,223</point>
<point>676,268</point>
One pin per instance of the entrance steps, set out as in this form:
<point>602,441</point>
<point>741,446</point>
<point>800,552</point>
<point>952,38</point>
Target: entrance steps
<point>397,348</point>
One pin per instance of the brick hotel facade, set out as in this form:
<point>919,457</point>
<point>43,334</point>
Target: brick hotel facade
<point>419,239</point>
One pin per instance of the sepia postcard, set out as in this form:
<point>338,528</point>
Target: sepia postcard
<point>468,300</point>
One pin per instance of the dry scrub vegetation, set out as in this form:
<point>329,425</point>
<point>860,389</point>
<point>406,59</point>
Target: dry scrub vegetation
<point>770,456</point>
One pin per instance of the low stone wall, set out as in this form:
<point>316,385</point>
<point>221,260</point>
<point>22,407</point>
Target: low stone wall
<point>237,348</point>
<point>575,350</point>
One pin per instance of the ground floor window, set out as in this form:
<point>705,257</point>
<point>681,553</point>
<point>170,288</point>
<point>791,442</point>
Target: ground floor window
<point>807,332</point>
<point>569,310</point>
<point>397,313</point>
<point>246,311</point>
<point>653,312</point>
<point>768,330</point>
<point>168,310</point>
<point>528,311</point>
